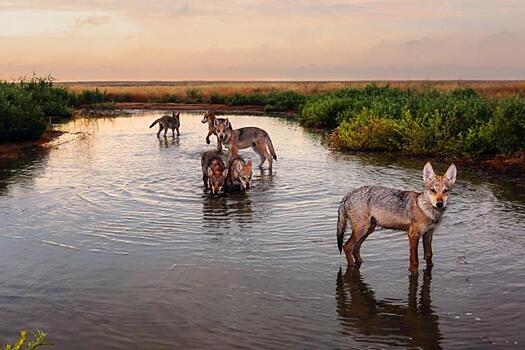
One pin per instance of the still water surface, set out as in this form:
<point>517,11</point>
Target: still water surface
<point>110,241</point>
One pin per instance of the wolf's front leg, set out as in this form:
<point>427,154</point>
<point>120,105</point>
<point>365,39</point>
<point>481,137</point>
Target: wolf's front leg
<point>413,238</point>
<point>219,144</point>
<point>427,248</point>
<point>208,137</point>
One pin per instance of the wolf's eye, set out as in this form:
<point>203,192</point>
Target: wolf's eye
<point>445,190</point>
<point>433,190</point>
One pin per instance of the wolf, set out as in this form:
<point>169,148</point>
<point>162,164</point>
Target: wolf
<point>209,117</point>
<point>168,122</point>
<point>418,213</point>
<point>253,137</point>
<point>239,174</point>
<point>214,171</point>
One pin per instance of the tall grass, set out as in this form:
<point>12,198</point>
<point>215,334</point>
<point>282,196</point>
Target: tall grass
<point>456,123</point>
<point>26,105</point>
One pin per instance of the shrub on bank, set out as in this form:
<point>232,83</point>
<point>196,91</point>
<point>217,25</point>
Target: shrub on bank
<point>457,123</point>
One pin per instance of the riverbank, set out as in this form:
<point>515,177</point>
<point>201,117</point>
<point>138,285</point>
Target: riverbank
<point>15,149</point>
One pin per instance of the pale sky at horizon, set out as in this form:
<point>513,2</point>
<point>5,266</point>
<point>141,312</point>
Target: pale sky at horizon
<point>263,39</point>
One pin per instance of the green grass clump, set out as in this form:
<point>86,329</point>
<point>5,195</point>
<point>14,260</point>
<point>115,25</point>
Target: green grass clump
<point>456,123</point>
<point>23,343</point>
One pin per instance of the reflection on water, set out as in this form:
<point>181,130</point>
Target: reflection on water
<point>395,323</point>
<point>22,169</point>
<point>110,241</point>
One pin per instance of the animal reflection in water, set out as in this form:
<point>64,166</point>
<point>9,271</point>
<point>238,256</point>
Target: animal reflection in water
<point>218,212</point>
<point>168,142</point>
<point>383,320</point>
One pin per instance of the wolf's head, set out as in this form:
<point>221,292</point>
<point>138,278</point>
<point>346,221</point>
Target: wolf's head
<point>176,115</point>
<point>244,174</point>
<point>222,128</point>
<point>437,188</point>
<point>209,116</point>
<point>216,177</point>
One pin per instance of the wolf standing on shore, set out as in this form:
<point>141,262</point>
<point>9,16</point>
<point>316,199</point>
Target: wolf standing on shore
<point>168,122</point>
<point>418,213</point>
<point>210,118</point>
<point>253,137</point>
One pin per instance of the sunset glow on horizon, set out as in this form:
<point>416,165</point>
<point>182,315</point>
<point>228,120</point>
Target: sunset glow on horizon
<point>262,40</point>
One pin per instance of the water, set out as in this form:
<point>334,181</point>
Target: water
<point>110,241</point>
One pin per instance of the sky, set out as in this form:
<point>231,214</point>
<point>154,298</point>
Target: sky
<point>262,39</point>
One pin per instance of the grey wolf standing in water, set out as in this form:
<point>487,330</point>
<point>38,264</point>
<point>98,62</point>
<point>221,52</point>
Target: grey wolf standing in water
<point>239,174</point>
<point>210,118</point>
<point>214,171</point>
<point>168,122</point>
<point>418,213</point>
<point>253,137</point>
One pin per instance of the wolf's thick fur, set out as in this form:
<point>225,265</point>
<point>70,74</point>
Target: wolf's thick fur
<point>418,213</point>
<point>253,137</point>
<point>168,122</point>
<point>214,171</point>
<point>239,174</point>
<point>210,118</point>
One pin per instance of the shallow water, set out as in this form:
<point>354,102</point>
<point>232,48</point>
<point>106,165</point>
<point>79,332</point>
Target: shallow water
<point>110,241</point>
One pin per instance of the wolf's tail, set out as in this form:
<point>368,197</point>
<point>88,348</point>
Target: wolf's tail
<point>153,124</point>
<point>270,147</point>
<point>342,219</point>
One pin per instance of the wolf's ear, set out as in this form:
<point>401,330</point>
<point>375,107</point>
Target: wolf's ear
<point>210,172</point>
<point>451,173</point>
<point>428,172</point>
<point>216,122</point>
<point>225,173</point>
<point>238,167</point>
<point>178,114</point>
<point>227,123</point>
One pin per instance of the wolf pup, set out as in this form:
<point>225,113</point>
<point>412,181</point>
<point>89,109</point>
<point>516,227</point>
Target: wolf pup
<point>253,137</point>
<point>209,118</point>
<point>239,174</point>
<point>214,171</point>
<point>418,213</point>
<point>168,122</point>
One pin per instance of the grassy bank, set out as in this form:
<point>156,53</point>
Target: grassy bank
<point>25,108</point>
<point>456,124</point>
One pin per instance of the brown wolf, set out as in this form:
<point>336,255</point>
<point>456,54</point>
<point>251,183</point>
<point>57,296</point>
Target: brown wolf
<point>418,213</point>
<point>209,117</point>
<point>253,137</point>
<point>168,122</point>
<point>239,174</point>
<point>214,171</point>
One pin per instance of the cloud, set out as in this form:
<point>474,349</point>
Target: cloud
<point>95,20</point>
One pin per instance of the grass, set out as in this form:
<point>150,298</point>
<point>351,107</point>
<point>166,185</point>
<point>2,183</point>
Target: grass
<point>457,124</point>
<point>24,343</point>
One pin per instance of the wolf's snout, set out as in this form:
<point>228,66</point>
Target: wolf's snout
<point>439,205</point>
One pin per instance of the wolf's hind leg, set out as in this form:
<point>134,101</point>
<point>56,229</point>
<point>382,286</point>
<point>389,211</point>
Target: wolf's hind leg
<point>160,129</point>
<point>359,231</point>
<point>259,153</point>
<point>357,247</point>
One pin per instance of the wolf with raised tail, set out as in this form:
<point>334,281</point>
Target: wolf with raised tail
<point>253,137</point>
<point>418,213</point>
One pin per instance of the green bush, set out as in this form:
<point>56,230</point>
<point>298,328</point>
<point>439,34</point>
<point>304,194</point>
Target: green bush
<point>218,99</point>
<point>90,97</point>
<point>21,118</point>
<point>458,123</point>
<point>55,101</point>
<point>283,101</point>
